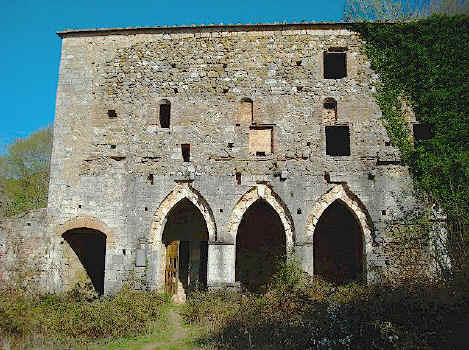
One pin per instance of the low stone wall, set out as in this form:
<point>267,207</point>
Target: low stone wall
<point>28,253</point>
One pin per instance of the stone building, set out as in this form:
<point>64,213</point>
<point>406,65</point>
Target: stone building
<point>203,155</point>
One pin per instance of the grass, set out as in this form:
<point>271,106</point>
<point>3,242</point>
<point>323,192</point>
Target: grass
<point>295,312</point>
<point>171,334</point>
<point>77,319</point>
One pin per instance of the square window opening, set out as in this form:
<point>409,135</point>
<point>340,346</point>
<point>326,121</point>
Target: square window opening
<point>422,132</point>
<point>338,140</point>
<point>261,140</point>
<point>111,113</point>
<point>335,65</point>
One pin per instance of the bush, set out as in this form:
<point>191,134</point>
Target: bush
<point>73,317</point>
<point>315,314</point>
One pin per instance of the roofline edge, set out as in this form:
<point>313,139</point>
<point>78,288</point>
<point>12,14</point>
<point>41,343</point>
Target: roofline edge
<point>202,28</point>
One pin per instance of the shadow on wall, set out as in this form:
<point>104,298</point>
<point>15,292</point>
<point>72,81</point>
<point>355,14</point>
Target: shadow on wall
<point>89,246</point>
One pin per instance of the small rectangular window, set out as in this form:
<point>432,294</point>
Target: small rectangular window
<point>238,178</point>
<point>186,152</point>
<point>422,132</point>
<point>111,113</point>
<point>338,140</point>
<point>165,115</point>
<point>150,179</point>
<point>335,65</point>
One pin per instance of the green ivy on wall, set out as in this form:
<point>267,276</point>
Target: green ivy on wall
<point>426,62</point>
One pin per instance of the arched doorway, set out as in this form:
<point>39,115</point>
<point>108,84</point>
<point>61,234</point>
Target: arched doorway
<point>260,245</point>
<point>85,257</point>
<point>338,245</point>
<point>185,238</point>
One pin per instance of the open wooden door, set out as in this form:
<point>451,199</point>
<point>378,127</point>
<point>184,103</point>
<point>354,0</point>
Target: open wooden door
<point>172,268</point>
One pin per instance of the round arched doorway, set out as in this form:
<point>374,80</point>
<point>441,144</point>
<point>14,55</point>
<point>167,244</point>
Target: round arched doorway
<point>85,257</point>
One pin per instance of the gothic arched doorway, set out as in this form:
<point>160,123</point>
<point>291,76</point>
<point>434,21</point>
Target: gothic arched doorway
<point>260,245</point>
<point>338,245</point>
<point>89,246</point>
<point>185,238</point>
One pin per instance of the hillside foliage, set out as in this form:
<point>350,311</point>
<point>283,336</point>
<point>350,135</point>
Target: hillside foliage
<point>24,173</point>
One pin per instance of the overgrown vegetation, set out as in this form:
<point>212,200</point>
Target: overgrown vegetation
<point>24,173</point>
<point>424,64</point>
<point>298,313</point>
<point>74,319</point>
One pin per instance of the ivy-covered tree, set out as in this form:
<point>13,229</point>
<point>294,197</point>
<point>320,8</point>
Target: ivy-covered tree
<point>401,10</point>
<point>24,173</point>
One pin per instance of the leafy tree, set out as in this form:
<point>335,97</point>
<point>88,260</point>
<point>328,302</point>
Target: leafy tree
<point>401,10</point>
<point>24,173</point>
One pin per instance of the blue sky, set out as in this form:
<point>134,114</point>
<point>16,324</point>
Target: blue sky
<point>30,49</point>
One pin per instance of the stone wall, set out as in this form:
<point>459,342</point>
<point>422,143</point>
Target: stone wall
<point>115,166</point>
<point>28,254</point>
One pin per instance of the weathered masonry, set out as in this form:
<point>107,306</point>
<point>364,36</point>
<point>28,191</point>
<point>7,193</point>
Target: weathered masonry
<point>200,156</point>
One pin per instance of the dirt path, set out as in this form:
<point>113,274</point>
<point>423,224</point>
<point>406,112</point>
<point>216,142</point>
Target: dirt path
<point>178,337</point>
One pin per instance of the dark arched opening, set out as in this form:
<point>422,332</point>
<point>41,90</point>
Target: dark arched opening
<point>185,237</point>
<point>260,246</point>
<point>89,246</point>
<point>338,245</point>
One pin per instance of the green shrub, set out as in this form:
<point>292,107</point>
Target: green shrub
<point>298,312</point>
<point>69,316</point>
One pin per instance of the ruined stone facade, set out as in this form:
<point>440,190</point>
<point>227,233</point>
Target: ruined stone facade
<point>221,117</point>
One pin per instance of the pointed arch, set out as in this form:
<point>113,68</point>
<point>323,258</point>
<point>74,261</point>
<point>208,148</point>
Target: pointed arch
<point>181,191</point>
<point>352,202</point>
<point>262,192</point>
<point>341,193</point>
<point>156,252</point>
